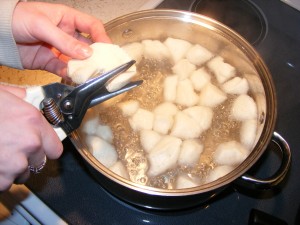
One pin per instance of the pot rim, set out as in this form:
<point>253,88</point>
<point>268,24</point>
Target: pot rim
<point>263,72</point>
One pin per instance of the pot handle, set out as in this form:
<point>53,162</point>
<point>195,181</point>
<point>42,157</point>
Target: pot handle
<point>279,175</point>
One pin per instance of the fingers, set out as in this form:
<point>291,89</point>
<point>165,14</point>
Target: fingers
<point>57,66</point>
<point>22,178</point>
<point>61,35</point>
<point>18,171</point>
<point>62,41</point>
<point>37,24</point>
<point>25,138</point>
<point>41,139</point>
<point>52,145</point>
<point>89,25</point>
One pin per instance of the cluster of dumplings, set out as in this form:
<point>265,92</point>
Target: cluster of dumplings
<point>170,134</point>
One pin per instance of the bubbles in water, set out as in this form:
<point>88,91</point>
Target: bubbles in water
<point>137,166</point>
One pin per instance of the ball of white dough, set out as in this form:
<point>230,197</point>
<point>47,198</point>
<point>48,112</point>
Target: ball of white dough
<point>183,181</point>
<point>244,108</point>
<point>177,48</point>
<point>200,78</point>
<point>185,127</point>
<point>230,153</point>
<point>223,71</point>
<point>248,133</point>
<point>185,94</point>
<point>149,139</point>
<point>142,119</point>
<point>120,169</point>
<point>166,108</point>
<point>170,88</point>
<point>104,132</point>
<point>164,155</point>
<point>236,85</point>
<point>103,151</point>
<point>154,49</point>
<point>183,68</point>
<point>218,172</point>
<point>202,115</point>
<point>198,55</point>
<point>135,50</point>
<point>190,152</point>
<point>105,57</point>
<point>129,107</point>
<point>211,96</point>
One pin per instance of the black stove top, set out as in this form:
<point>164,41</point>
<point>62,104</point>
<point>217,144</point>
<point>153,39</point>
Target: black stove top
<point>68,188</point>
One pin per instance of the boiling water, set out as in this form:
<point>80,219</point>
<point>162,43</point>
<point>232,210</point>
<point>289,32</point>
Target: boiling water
<point>149,95</point>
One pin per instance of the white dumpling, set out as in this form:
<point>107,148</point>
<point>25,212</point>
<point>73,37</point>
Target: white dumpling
<point>120,169</point>
<point>198,55</point>
<point>185,94</point>
<point>104,132</point>
<point>142,119</point>
<point>248,133</point>
<point>162,123</point>
<point>255,83</point>
<point>202,115</point>
<point>170,88</point>
<point>184,181</point>
<point>105,57</point>
<point>244,108</point>
<point>238,59</point>
<point>185,127</point>
<point>218,172</point>
<point>230,153</point>
<point>164,155</point>
<point>177,47</point>
<point>121,80</point>
<point>129,107</point>
<point>237,85</point>
<point>223,71</point>
<point>190,152</point>
<point>200,78</point>
<point>149,139</point>
<point>134,50</point>
<point>90,122</point>
<point>154,49</point>
<point>166,108</point>
<point>183,68</point>
<point>211,96</point>
<point>163,117</point>
<point>103,151</point>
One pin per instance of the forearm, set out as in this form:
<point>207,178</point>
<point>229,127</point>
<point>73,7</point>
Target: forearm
<point>9,54</point>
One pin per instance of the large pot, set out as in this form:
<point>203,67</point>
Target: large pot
<point>160,24</point>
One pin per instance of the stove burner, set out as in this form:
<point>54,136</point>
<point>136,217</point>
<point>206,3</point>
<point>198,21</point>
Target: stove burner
<point>243,16</point>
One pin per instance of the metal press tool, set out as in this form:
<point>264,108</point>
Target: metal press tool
<point>64,106</point>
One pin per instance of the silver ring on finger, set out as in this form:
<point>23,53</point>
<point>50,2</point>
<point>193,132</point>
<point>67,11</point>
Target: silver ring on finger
<point>39,168</point>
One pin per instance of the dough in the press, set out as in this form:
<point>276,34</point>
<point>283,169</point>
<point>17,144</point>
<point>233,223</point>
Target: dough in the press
<point>105,57</point>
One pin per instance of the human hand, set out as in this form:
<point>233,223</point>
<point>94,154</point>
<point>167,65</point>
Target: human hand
<point>47,35</point>
<point>26,137</point>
